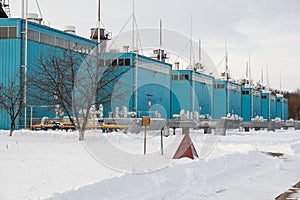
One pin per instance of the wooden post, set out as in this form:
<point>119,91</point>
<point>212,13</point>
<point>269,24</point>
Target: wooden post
<point>145,141</point>
<point>145,122</point>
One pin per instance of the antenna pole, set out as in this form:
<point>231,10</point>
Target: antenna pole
<point>280,81</point>
<point>262,76</point>
<point>160,40</point>
<point>191,42</point>
<point>38,5</point>
<point>133,19</point>
<point>25,66</point>
<point>22,10</point>
<point>135,66</point>
<point>200,52</point>
<point>251,88</point>
<point>226,60</point>
<point>98,26</point>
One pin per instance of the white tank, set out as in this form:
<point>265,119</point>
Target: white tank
<point>70,29</point>
<point>33,17</point>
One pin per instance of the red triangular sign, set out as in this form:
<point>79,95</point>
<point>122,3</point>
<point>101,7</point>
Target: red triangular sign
<point>186,148</point>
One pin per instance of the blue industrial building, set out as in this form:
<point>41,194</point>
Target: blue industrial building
<point>281,107</point>
<point>42,40</point>
<point>192,91</point>
<point>141,84</point>
<point>251,103</point>
<point>273,109</point>
<point>286,109</point>
<point>269,105</point>
<point>227,99</point>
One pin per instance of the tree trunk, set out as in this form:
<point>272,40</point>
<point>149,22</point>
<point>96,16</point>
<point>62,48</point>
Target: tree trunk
<point>81,134</point>
<point>12,127</point>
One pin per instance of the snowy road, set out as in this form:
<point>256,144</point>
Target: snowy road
<point>55,165</point>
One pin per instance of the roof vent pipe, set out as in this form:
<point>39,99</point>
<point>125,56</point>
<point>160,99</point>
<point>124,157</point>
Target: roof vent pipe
<point>125,49</point>
<point>176,65</point>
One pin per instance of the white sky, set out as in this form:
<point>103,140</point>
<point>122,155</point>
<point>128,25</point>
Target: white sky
<point>268,29</point>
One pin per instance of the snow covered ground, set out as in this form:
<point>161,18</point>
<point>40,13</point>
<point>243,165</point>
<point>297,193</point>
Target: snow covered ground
<point>54,165</point>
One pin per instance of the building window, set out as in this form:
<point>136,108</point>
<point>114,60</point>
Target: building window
<point>184,77</point>
<point>219,86</point>
<point>121,62</point>
<point>245,92</point>
<point>107,62</point>
<point>127,62</point>
<point>101,63</point>
<point>12,32</point>
<point>175,77</point>
<point>8,32</point>
<point>114,62</point>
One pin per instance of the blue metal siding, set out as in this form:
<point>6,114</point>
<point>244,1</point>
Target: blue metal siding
<point>257,104</point>
<point>204,101</point>
<point>227,99</point>
<point>11,58</point>
<point>220,105</point>
<point>265,105</point>
<point>251,102</point>
<point>154,93</point>
<point>279,107</point>
<point>246,104</point>
<point>181,96</point>
<point>273,106</point>
<point>235,103</point>
<point>181,93</point>
<point>10,65</point>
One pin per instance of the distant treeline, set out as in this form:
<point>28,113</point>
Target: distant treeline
<point>294,104</point>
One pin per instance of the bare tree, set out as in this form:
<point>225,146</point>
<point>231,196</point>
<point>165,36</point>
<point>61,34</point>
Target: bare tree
<point>11,100</point>
<point>52,79</point>
<point>73,81</point>
<point>84,91</point>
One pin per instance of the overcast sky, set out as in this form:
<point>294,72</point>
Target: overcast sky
<point>268,29</point>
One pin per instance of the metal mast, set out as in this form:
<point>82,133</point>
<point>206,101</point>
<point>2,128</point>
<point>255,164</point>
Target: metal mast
<point>98,26</point>
<point>22,10</point>
<point>200,54</point>
<point>160,40</point>
<point>135,66</point>
<point>227,77</point>
<point>193,69</point>
<point>251,89</point>
<point>25,65</point>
